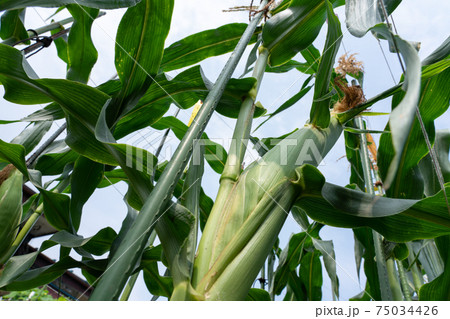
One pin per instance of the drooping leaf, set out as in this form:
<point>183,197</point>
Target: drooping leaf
<point>84,180</point>
<point>11,26</point>
<point>81,52</point>
<point>100,4</point>
<point>54,163</point>
<point>14,154</point>
<point>402,117</point>
<point>56,210</point>
<point>45,275</point>
<point>361,15</point>
<point>289,260</point>
<point>156,284</point>
<point>439,54</point>
<point>184,91</point>
<point>81,102</point>
<point>397,220</point>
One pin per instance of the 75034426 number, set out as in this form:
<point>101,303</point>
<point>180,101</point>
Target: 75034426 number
<point>405,310</point>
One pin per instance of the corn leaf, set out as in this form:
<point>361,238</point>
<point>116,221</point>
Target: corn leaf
<point>139,49</point>
<point>32,135</point>
<point>397,220</point>
<point>57,210</point>
<point>11,26</point>
<point>256,294</point>
<point>81,53</point>
<point>184,90</point>
<point>84,180</point>
<point>320,109</point>
<point>364,238</point>
<point>16,275</point>
<point>364,14</point>
<point>441,147</point>
<point>311,275</point>
<point>202,45</point>
<point>439,288</point>
<point>434,101</point>
<point>293,29</point>
<point>14,154</point>
<point>54,163</point>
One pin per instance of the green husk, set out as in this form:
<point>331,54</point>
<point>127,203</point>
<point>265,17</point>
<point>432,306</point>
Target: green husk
<point>255,210</point>
<point>11,181</point>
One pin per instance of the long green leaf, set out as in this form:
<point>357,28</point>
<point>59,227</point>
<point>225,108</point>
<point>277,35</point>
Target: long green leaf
<point>202,45</point>
<point>139,50</point>
<point>311,275</point>
<point>81,53</point>
<point>396,219</point>
<point>320,109</point>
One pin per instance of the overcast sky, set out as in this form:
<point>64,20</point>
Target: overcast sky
<point>423,21</point>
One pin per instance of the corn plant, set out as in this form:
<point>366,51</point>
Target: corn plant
<point>396,201</point>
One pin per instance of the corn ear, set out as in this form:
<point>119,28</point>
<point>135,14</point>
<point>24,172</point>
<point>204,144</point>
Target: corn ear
<point>245,229</point>
<point>11,181</point>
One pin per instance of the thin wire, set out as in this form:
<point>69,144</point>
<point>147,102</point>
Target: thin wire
<point>387,62</point>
